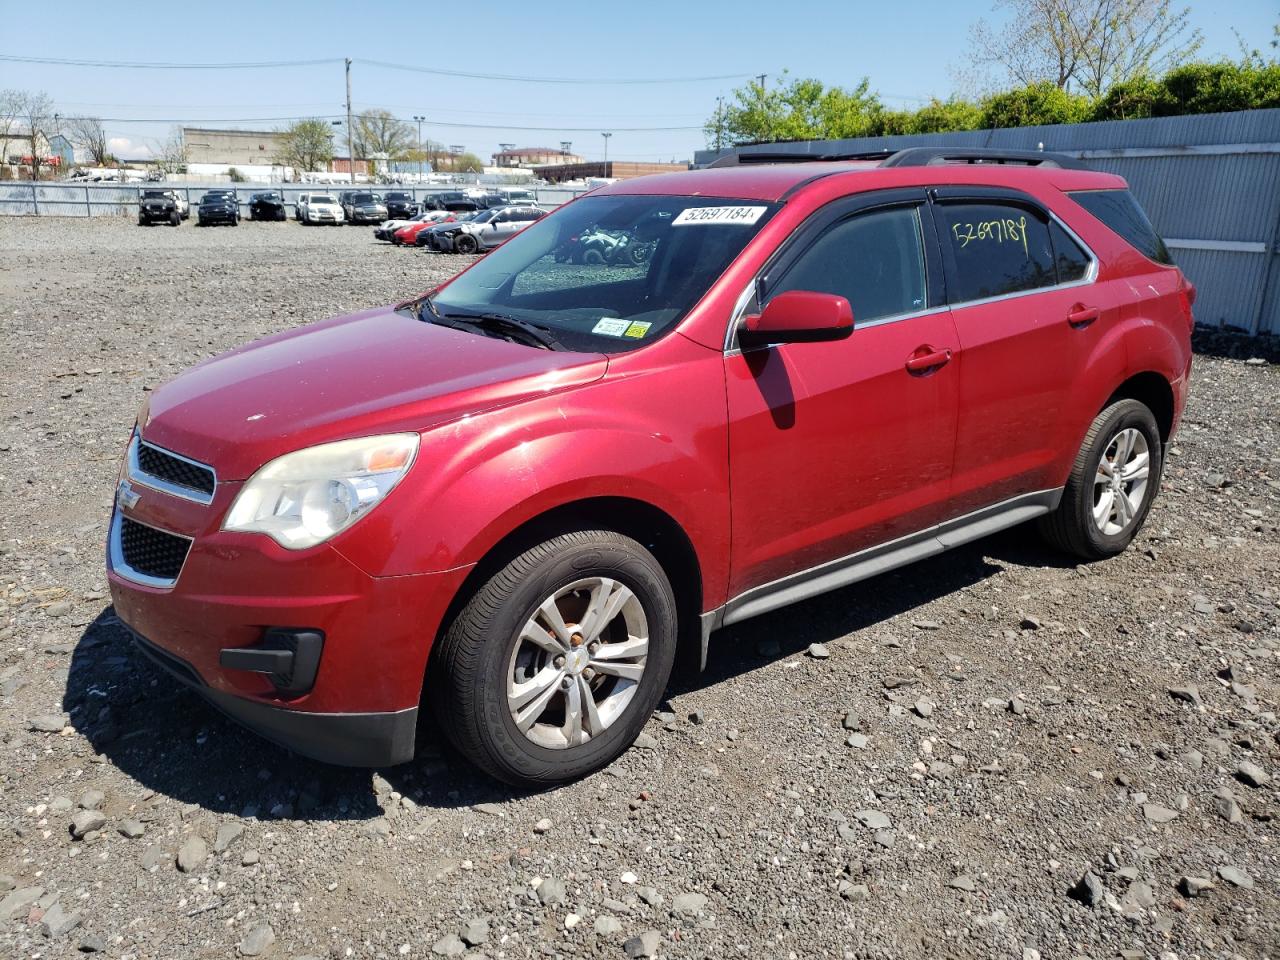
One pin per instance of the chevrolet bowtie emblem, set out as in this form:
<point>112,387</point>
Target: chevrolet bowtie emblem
<point>126,497</point>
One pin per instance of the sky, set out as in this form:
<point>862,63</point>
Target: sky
<point>910,49</point>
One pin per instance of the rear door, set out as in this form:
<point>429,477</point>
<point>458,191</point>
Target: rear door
<point>1021,289</point>
<point>837,447</point>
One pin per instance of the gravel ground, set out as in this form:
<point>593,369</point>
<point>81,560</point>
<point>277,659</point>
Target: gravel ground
<point>990,754</point>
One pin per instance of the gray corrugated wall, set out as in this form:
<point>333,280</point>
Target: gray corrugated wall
<point>1226,196</point>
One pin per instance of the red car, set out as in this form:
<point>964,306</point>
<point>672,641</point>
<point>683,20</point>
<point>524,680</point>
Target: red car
<point>508,501</point>
<point>407,234</point>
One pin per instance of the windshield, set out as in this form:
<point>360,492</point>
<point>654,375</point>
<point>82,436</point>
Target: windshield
<point>398,196</point>
<point>321,198</point>
<point>364,198</point>
<point>155,194</point>
<point>609,273</point>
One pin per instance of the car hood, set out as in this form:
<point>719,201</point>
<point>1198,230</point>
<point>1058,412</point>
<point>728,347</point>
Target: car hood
<point>374,372</point>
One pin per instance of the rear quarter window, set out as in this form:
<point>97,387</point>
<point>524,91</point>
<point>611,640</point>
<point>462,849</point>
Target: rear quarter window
<point>997,249</point>
<point>1121,212</point>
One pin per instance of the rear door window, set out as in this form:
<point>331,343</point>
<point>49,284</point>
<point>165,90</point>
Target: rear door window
<point>874,260</point>
<point>996,249</point>
<point>1121,212</point>
<point>1072,262</point>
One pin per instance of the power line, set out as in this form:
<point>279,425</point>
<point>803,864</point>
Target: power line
<point>434,71</point>
<point>430,123</point>
<point>167,65</point>
<point>615,81</point>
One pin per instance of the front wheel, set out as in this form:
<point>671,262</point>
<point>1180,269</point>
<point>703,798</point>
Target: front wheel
<point>465,244</point>
<point>557,661</point>
<point>1112,484</point>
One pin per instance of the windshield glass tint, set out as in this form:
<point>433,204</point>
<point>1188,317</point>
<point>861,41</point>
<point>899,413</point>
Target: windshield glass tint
<point>321,198</point>
<point>363,198</point>
<point>610,273</point>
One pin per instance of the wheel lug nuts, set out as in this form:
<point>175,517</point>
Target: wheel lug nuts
<point>594,647</point>
<point>559,662</point>
<point>566,683</point>
<point>589,673</point>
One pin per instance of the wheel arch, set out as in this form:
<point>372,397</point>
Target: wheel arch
<point>1154,391</point>
<point>654,528</point>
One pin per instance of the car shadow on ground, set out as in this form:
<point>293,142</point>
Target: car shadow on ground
<point>169,740</point>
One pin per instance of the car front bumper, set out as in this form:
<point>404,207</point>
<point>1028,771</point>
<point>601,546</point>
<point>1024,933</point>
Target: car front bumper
<point>232,588</point>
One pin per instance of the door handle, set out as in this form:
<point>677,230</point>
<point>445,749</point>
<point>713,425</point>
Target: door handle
<point>1082,316</point>
<point>926,359</point>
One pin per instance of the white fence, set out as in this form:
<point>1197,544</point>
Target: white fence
<point>57,199</point>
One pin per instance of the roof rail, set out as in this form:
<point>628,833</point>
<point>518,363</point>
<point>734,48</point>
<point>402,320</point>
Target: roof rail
<point>937,156</point>
<point>736,159</point>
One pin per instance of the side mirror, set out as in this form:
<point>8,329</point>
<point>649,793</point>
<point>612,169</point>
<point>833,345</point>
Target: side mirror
<point>799,316</point>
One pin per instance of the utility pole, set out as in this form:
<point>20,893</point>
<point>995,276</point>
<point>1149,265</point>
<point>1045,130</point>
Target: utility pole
<point>419,119</point>
<point>719,122</point>
<point>606,152</point>
<point>351,156</point>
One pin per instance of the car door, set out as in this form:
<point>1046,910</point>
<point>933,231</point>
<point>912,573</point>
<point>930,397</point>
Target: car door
<point>838,447</point>
<point>1020,286</point>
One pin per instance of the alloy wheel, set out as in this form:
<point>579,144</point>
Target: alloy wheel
<point>577,662</point>
<point>1120,484</point>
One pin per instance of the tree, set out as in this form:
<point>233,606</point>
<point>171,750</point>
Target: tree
<point>1086,45</point>
<point>171,155</point>
<point>796,110</point>
<point>9,108</point>
<point>377,133</point>
<point>1034,105</point>
<point>468,163</point>
<point>306,145</point>
<point>34,111</point>
<point>89,134</point>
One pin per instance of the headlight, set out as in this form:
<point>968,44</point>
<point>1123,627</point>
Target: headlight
<point>306,497</point>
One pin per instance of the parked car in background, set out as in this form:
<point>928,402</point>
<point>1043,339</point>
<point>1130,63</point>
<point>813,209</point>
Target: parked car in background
<point>401,205</point>
<point>161,206</point>
<point>362,207</point>
<point>316,208</point>
<point>420,234</point>
<point>486,231</point>
<point>388,230</point>
<point>488,201</point>
<point>525,198</point>
<point>218,206</point>
<point>268,205</point>
<point>454,200</point>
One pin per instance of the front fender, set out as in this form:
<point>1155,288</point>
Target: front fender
<point>659,437</point>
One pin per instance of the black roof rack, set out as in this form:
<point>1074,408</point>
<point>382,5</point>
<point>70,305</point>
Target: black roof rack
<point>913,157</point>
<point>736,159</point>
<point>937,156</point>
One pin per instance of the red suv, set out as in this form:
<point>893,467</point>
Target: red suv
<point>509,498</point>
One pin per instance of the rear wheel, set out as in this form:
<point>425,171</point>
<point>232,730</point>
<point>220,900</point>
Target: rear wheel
<point>557,661</point>
<point>593,257</point>
<point>1112,484</point>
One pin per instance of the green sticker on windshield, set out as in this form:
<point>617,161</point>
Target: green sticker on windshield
<point>637,329</point>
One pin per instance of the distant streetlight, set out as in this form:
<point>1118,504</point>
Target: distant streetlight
<point>606,152</point>
<point>419,119</point>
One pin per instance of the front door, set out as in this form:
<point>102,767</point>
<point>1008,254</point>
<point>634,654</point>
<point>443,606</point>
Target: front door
<point>837,447</point>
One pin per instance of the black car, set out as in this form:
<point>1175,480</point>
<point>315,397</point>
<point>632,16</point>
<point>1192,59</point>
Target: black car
<point>218,206</point>
<point>158,206</point>
<point>401,206</point>
<point>488,201</point>
<point>445,200</point>
<point>266,206</point>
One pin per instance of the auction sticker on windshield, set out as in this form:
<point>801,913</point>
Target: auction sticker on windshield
<point>698,216</point>
<point>611,326</point>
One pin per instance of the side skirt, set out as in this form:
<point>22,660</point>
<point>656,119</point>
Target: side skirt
<point>878,559</point>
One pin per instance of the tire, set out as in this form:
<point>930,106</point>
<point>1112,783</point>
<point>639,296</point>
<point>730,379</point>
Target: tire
<point>593,257</point>
<point>280,216</point>
<point>483,651</point>
<point>175,218</point>
<point>1072,527</point>
<point>466,244</point>
<point>142,221</point>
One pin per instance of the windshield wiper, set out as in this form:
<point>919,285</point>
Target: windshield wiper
<point>513,327</point>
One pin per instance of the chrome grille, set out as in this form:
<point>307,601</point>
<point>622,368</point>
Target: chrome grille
<point>169,472</point>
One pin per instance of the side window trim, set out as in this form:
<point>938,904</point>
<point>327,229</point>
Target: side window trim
<point>828,216</point>
<point>976,194</point>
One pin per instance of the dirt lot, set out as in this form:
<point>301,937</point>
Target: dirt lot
<point>991,731</point>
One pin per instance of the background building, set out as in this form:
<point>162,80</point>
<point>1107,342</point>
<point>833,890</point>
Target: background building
<point>233,148</point>
<point>615,169</point>
<point>533,156</point>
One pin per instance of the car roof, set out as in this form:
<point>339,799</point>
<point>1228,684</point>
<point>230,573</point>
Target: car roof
<point>771,182</point>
